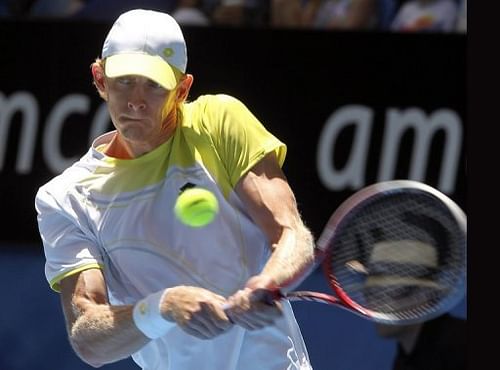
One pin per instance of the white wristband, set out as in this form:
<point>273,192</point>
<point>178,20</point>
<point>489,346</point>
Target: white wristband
<point>148,318</point>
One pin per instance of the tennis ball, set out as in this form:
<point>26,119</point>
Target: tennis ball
<point>196,207</point>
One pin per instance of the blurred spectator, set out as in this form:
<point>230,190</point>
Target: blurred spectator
<point>333,14</point>
<point>386,10</point>
<point>55,8</point>
<point>340,14</point>
<point>190,13</point>
<point>108,10</point>
<point>426,16</point>
<point>3,9</point>
<point>18,8</point>
<point>40,8</point>
<point>229,12</point>
<point>253,13</point>
<point>462,17</point>
<point>286,13</point>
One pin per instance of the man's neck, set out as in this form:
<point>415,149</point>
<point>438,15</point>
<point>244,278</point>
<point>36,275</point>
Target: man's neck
<point>117,149</point>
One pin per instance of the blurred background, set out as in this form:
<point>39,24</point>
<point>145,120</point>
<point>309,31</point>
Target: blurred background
<point>314,72</point>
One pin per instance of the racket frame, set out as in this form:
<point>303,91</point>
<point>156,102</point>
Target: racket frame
<point>324,248</point>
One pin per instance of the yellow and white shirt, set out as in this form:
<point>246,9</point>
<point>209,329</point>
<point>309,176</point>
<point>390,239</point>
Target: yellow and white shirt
<point>117,215</point>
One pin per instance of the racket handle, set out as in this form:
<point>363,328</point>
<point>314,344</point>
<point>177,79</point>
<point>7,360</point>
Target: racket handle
<point>269,297</point>
<point>225,307</point>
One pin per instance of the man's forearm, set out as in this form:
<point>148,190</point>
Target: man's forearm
<point>105,334</point>
<point>292,258</point>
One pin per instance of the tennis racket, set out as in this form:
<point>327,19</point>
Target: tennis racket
<point>394,252</point>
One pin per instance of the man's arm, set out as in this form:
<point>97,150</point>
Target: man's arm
<point>98,332</point>
<point>271,203</point>
<point>101,333</point>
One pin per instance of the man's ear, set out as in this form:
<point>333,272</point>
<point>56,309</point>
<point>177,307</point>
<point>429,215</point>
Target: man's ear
<point>99,79</point>
<point>184,87</point>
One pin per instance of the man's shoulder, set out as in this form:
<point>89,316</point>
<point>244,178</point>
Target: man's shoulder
<point>210,111</point>
<point>214,100</point>
<point>60,183</point>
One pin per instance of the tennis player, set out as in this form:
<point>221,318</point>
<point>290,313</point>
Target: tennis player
<point>136,282</point>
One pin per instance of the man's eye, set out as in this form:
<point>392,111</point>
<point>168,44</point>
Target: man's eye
<point>155,85</point>
<point>124,80</point>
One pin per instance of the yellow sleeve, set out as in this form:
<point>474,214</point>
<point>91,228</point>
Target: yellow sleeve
<point>240,139</point>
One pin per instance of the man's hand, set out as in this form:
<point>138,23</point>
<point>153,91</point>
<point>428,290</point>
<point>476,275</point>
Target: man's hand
<point>196,310</point>
<point>255,306</point>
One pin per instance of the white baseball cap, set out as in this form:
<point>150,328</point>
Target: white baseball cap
<point>146,43</point>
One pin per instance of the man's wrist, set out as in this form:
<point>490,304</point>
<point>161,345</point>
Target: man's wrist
<point>147,316</point>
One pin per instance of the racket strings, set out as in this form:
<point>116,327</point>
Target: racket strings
<point>403,269</point>
<point>401,256</point>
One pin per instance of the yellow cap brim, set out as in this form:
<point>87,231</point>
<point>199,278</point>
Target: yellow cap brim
<point>152,67</point>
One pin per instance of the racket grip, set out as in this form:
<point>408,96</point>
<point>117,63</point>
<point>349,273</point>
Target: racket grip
<point>226,307</point>
<point>269,298</point>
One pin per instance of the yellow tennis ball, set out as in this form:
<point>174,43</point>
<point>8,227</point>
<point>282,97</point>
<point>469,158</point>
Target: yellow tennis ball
<point>196,207</point>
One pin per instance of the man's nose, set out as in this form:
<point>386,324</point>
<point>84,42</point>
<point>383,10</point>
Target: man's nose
<point>136,105</point>
<point>136,99</point>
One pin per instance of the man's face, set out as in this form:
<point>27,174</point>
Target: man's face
<point>135,104</point>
